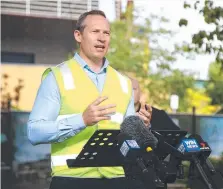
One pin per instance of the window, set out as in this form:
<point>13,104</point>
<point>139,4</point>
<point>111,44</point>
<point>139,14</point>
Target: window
<point>16,57</point>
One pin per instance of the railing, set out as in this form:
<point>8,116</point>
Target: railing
<point>32,163</point>
<point>66,9</point>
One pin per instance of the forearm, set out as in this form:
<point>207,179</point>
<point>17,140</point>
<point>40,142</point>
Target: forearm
<point>44,131</point>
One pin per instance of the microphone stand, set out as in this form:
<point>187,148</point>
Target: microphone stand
<point>210,179</point>
<point>204,177</point>
<point>143,174</point>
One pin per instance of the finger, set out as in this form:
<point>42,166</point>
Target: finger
<point>102,118</point>
<point>143,106</point>
<point>149,108</point>
<point>145,113</point>
<point>100,108</point>
<point>99,100</point>
<point>144,119</point>
<point>107,112</point>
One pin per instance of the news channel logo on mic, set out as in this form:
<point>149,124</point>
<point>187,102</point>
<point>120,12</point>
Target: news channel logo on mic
<point>188,145</point>
<point>127,146</point>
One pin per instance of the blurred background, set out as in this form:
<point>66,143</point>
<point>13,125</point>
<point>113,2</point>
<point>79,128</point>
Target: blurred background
<point>172,47</point>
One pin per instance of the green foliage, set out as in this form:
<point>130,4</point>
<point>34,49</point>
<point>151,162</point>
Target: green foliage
<point>204,41</point>
<point>183,22</point>
<point>129,54</point>
<point>215,84</point>
<point>199,99</point>
<point>162,86</point>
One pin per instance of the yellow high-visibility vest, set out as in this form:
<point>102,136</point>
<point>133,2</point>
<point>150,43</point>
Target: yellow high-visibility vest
<point>77,92</point>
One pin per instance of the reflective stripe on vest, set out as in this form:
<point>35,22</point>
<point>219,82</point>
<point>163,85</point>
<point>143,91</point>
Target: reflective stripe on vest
<point>123,82</point>
<point>62,159</point>
<point>68,79</point>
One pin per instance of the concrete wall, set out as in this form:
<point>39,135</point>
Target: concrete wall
<point>31,76</point>
<point>45,51</point>
<point>50,40</point>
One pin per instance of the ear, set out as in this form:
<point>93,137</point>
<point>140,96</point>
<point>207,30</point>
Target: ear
<point>77,35</point>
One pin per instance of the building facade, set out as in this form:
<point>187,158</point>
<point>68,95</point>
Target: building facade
<point>40,32</point>
<point>35,35</point>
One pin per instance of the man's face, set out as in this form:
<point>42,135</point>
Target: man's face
<point>94,40</point>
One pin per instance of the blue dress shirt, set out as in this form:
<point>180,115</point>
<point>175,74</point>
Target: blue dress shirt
<point>42,124</point>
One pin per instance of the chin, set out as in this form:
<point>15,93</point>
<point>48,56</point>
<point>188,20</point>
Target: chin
<point>99,57</point>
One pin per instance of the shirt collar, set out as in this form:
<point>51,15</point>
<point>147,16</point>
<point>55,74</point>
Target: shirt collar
<point>83,64</point>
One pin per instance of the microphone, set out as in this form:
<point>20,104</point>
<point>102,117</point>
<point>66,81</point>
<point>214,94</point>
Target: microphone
<point>131,151</point>
<point>135,128</point>
<point>134,164</point>
<point>188,146</point>
<point>204,147</point>
<point>205,151</point>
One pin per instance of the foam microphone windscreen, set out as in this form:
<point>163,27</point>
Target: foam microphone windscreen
<point>135,128</point>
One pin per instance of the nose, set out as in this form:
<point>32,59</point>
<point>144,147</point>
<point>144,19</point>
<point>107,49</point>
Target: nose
<point>101,37</point>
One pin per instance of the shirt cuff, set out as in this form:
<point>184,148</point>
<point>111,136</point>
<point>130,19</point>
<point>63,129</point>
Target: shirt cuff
<point>76,122</point>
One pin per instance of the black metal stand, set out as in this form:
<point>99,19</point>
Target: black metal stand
<point>100,150</point>
<point>199,171</point>
<point>201,176</point>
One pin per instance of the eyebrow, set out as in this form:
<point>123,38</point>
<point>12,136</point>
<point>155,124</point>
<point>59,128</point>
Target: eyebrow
<point>101,30</point>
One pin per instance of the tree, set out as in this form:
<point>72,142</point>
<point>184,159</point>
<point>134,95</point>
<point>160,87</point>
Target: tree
<point>201,101</point>
<point>163,86</point>
<point>131,54</point>
<point>129,50</point>
<point>215,84</point>
<point>205,41</point>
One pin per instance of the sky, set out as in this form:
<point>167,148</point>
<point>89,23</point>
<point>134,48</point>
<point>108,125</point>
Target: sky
<point>173,10</point>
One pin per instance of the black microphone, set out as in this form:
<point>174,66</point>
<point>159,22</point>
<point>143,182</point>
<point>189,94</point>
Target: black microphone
<point>131,151</point>
<point>214,175</point>
<point>135,128</point>
<point>205,151</point>
<point>134,164</point>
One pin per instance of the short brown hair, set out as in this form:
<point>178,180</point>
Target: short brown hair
<point>80,26</point>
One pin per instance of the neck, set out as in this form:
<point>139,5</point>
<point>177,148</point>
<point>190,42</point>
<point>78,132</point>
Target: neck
<point>94,64</point>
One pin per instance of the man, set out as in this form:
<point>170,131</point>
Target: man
<point>78,97</point>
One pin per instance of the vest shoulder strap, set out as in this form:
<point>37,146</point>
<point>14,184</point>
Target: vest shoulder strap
<point>125,82</point>
<point>62,74</point>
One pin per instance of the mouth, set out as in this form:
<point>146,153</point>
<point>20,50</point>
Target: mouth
<point>100,47</point>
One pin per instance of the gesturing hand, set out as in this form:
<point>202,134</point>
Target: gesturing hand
<point>95,113</point>
<point>145,113</point>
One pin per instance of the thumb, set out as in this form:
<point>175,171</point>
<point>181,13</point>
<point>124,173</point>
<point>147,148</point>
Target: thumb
<point>143,105</point>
